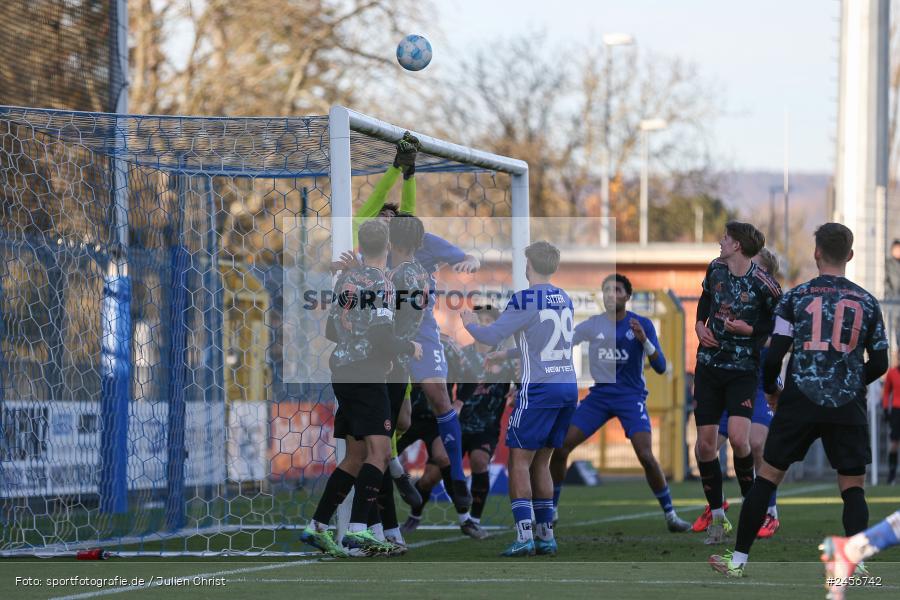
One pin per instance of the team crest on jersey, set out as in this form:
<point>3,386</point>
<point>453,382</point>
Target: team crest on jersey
<point>745,297</point>
<point>629,335</point>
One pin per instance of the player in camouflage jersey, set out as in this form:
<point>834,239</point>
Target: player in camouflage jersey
<point>829,325</point>
<point>734,317</point>
<point>484,390</point>
<point>410,287</point>
<point>361,323</point>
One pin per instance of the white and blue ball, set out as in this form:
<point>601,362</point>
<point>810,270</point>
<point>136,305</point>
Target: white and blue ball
<point>414,53</point>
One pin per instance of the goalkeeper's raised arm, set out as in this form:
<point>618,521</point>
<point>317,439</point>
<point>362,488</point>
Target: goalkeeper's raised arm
<point>405,164</point>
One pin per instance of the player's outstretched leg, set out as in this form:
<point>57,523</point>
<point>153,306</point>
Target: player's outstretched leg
<point>643,448</point>
<point>841,555</point>
<point>451,436</point>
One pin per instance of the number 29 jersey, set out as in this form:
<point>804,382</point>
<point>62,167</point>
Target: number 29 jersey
<point>833,322</point>
<point>541,320</point>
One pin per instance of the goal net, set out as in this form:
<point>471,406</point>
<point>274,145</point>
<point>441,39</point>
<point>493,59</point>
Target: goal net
<point>159,392</point>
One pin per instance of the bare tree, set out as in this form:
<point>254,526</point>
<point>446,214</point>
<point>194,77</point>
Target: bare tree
<point>516,97</point>
<point>259,57</point>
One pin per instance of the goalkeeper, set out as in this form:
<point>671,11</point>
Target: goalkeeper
<point>431,370</point>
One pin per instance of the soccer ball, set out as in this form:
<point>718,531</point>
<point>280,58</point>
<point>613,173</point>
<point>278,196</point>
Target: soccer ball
<point>414,53</point>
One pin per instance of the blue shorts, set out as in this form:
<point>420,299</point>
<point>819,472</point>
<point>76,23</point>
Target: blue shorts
<point>433,363</point>
<point>762,414</point>
<point>597,408</point>
<point>535,428</point>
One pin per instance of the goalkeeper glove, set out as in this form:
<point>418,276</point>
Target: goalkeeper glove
<point>407,148</point>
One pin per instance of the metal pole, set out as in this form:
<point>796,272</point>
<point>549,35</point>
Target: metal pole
<point>341,241</point>
<point>521,228</point>
<point>645,168</point>
<point>607,166</point>
<point>786,186</point>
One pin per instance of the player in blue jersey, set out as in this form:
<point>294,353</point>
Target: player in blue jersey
<point>835,333</point>
<point>759,425</point>
<point>540,318</point>
<point>842,555</point>
<point>619,340</point>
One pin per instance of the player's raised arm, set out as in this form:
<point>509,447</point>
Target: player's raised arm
<point>513,320</point>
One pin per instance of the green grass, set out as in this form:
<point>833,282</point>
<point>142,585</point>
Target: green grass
<point>613,544</point>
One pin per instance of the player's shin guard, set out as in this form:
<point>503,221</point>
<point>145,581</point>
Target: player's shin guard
<point>711,476</point>
<point>743,470</point>
<point>856,511</point>
<point>481,486</point>
<point>366,492</point>
<point>451,436</point>
<point>337,487</point>
<point>753,513</point>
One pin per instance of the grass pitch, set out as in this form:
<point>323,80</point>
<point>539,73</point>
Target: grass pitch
<point>613,544</point>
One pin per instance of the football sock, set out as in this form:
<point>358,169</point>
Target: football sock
<point>337,487</point>
<point>557,491</point>
<point>451,435</point>
<point>773,509</point>
<point>481,485</point>
<point>665,499</point>
<point>872,541</point>
<point>386,503</point>
<point>753,513</point>
<point>396,468</point>
<point>447,478</point>
<point>856,511</point>
<point>892,466</point>
<point>543,518</point>
<point>368,482</point>
<point>425,497</point>
<point>711,477</point>
<point>521,509</point>
<point>743,470</point>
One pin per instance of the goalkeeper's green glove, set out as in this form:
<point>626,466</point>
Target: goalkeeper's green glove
<point>407,148</point>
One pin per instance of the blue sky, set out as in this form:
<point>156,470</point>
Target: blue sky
<point>762,57</point>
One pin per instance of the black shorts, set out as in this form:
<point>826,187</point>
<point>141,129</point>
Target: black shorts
<point>483,440</point>
<point>396,394</point>
<point>717,390</point>
<point>425,429</point>
<point>895,424</point>
<point>790,437</point>
<point>363,409</point>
